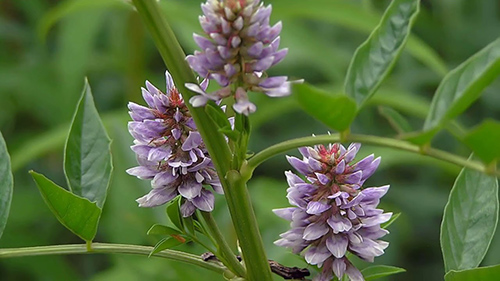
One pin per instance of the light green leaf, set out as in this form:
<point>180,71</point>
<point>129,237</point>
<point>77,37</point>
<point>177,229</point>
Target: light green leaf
<point>87,161</point>
<point>165,243</point>
<point>489,273</point>
<point>159,229</point>
<point>6,184</point>
<point>379,271</point>
<point>217,115</point>
<point>336,111</point>
<point>469,221</point>
<point>395,119</point>
<point>463,85</point>
<point>77,214</point>
<point>173,213</point>
<point>483,140</point>
<point>374,59</point>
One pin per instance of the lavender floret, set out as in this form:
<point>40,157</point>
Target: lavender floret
<point>171,152</point>
<point>238,47</point>
<point>333,214</point>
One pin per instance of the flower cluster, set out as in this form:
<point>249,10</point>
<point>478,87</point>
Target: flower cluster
<point>333,214</point>
<point>171,152</point>
<point>240,47</point>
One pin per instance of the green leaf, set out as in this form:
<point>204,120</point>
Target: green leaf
<point>374,59</point>
<point>228,132</point>
<point>189,226</point>
<point>477,274</point>
<point>397,121</point>
<point>393,218</point>
<point>77,214</point>
<point>348,14</point>
<point>6,184</point>
<point>159,229</point>
<point>379,271</point>
<point>469,221</point>
<point>463,85</point>
<point>87,159</point>
<point>165,243</point>
<point>336,111</point>
<point>173,213</point>
<point>217,115</point>
<point>483,140</point>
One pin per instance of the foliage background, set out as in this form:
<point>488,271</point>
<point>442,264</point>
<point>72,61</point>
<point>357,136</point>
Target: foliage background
<point>47,47</point>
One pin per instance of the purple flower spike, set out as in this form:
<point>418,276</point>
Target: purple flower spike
<point>239,46</point>
<point>333,214</point>
<point>170,150</point>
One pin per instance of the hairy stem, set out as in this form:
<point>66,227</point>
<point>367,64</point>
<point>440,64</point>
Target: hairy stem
<point>105,248</point>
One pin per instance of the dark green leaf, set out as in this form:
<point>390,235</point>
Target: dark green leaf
<point>76,213</point>
<point>463,85</point>
<point>6,184</point>
<point>165,243</point>
<point>374,59</point>
<point>159,229</point>
<point>396,120</point>
<point>379,271</point>
<point>87,161</point>
<point>336,111</point>
<point>173,212</point>
<point>217,115</point>
<point>394,217</point>
<point>469,221</point>
<point>483,140</point>
<point>489,273</point>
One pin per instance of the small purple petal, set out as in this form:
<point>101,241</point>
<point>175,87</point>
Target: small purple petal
<point>316,208</point>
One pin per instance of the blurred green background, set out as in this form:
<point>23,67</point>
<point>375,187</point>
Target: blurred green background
<point>47,47</point>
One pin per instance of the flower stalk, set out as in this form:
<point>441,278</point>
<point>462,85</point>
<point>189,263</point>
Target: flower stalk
<point>236,194</point>
<point>276,149</point>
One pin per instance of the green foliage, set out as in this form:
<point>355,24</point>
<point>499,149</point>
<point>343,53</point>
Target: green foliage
<point>483,140</point>
<point>166,243</point>
<point>87,167</point>
<point>76,213</point>
<point>379,271</point>
<point>6,184</point>
<point>470,220</point>
<point>336,111</point>
<point>377,55</point>
<point>462,86</point>
<point>477,274</point>
<point>87,162</point>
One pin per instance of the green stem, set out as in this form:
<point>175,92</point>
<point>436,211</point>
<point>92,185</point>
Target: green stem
<point>105,248</point>
<point>271,151</point>
<point>247,229</point>
<point>226,252</point>
<point>174,58</point>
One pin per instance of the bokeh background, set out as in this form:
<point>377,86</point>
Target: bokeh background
<point>47,47</point>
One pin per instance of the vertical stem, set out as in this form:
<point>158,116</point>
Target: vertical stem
<point>223,246</point>
<point>247,229</point>
<point>237,196</point>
